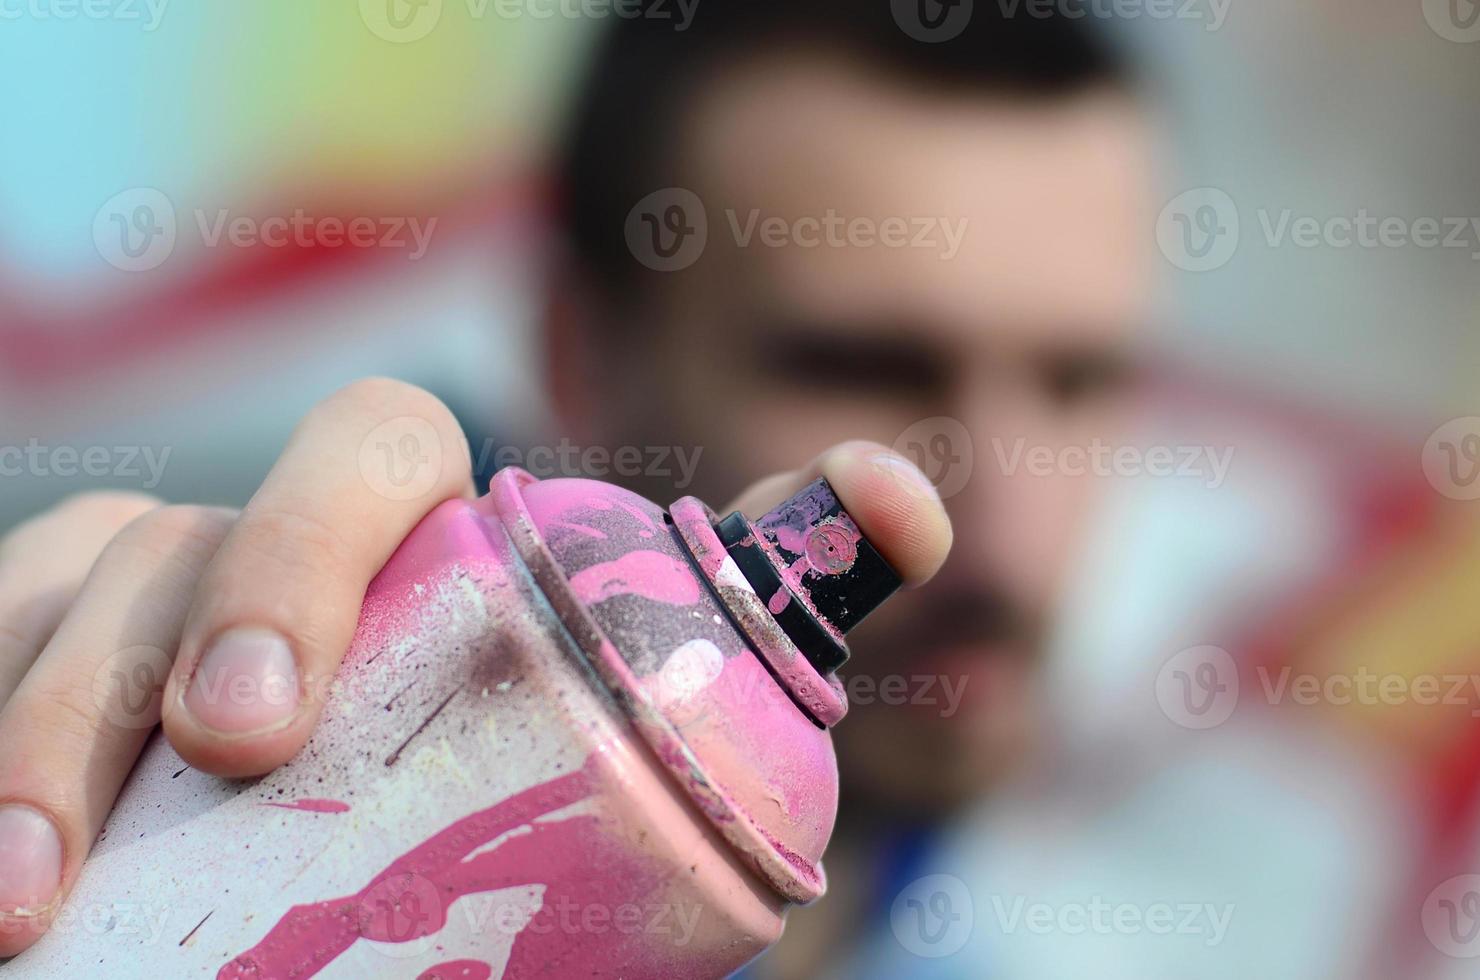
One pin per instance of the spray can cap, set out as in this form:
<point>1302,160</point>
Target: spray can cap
<point>817,573</point>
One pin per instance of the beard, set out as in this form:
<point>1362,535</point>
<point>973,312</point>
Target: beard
<point>944,704</point>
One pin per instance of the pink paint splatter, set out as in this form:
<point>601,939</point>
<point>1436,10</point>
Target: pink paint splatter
<point>636,512</point>
<point>650,574</point>
<point>458,970</point>
<point>573,858</point>
<point>313,806</point>
<point>802,543</point>
<point>585,529</point>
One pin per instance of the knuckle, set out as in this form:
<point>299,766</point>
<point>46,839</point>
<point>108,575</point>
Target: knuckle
<point>164,531</point>
<point>296,541</point>
<point>122,505</point>
<point>16,646</point>
<point>61,716</point>
<point>72,714</point>
<point>109,509</point>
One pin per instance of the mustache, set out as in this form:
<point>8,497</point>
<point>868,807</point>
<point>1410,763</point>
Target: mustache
<point>960,618</point>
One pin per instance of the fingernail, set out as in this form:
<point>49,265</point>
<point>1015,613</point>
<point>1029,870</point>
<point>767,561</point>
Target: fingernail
<point>30,861</point>
<point>907,473</point>
<point>247,682</point>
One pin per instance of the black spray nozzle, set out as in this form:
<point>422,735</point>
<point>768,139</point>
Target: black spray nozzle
<point>814,569</point>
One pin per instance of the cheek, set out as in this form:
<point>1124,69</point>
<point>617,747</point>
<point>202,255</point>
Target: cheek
<point>1039,528</point>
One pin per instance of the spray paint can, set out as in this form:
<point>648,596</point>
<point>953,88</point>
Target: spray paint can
<point>576,735</point>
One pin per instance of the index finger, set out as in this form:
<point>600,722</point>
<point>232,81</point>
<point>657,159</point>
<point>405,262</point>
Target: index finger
<point>279,604</point>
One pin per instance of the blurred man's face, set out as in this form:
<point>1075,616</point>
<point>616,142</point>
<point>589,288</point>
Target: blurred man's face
<point>1014,315</point>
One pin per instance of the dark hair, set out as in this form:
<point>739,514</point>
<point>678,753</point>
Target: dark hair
<point>622,140</point>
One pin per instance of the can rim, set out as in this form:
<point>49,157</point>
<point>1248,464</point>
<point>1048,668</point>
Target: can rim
<point>793,876</point>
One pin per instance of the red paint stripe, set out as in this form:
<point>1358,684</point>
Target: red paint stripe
<point>43,348</point>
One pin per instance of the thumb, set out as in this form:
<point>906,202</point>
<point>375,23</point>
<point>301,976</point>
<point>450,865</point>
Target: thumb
<point>893,503</point>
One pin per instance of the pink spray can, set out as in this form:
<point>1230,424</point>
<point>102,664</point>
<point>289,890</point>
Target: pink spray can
<point>576,735</point>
